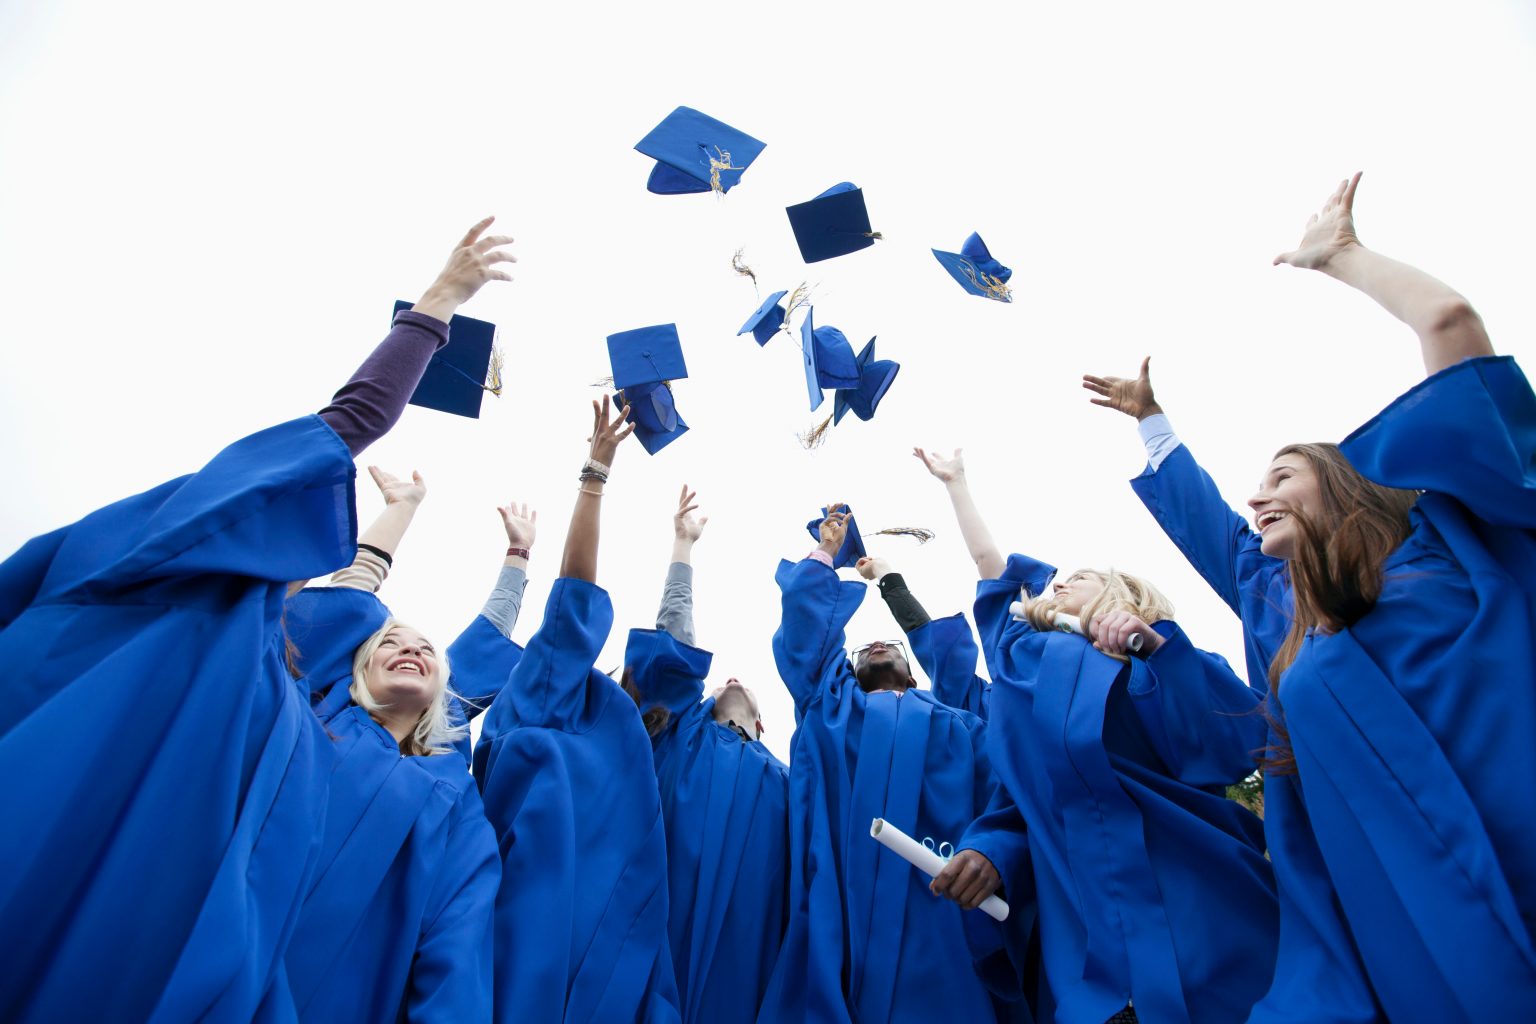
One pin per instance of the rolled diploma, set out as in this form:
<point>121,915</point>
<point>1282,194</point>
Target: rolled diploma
<point>1069,624</point>
<point>925,860</point>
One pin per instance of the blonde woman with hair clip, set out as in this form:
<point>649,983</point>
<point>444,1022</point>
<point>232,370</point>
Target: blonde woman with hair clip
<point>1116,748</point>
<point>396,924</point>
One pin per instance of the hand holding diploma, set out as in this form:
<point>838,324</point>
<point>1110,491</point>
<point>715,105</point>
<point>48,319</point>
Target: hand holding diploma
<point>968,878</point>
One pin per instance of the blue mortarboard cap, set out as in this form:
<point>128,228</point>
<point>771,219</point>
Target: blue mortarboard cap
<point>828,358</point>
<point>765,323</point>
<point>976,271</point>
<point>853,545</point>
<point>455,379</point>
<point>875,379</point>
<point>835,223</point>
<point>654,414</point>
<point>696,153</point>
<point>646,355</point>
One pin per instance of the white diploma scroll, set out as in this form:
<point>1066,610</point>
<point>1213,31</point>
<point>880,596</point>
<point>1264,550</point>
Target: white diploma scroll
<point>1069,624</point>
<point>925,860</point>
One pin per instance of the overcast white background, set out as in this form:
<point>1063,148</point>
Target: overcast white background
<point>206,211</point>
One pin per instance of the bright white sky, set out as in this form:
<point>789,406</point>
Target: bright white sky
<point>207,211</point>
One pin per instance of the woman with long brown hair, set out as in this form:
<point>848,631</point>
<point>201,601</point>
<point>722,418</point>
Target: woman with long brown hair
<point>1386,588</point>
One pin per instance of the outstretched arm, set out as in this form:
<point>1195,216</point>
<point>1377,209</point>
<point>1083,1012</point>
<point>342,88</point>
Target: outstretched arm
<point>676,613</point>
<point>905,608</point>
<point>377,546</point>
<point>506,600</point>
<point>1133,396</point>
<point>1449,329</point>
<point>369,404</point>
<point>579,560</point>
<point>978,539</point>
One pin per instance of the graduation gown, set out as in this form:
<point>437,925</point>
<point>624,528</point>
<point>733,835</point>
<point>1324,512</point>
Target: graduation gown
<point>1318,978</point>
<point>866,940</point>
<point>725,804</point>
<point>167,777</point>
<point>946,649</point>
<point>1152,885</point>
<point>398,919</point>
<point>563,765</point>
<point>1413,728</point>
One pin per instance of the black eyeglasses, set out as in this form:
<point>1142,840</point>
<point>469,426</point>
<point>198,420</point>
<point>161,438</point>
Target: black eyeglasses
<point>897,645</point>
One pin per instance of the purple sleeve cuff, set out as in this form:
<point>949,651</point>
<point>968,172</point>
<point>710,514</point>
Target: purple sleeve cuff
<point>369,404</point>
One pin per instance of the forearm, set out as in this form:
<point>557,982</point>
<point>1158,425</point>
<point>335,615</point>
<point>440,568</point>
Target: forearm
<point>369,404</point>
<point>386,532</point>
<point>676,613</point>
<point>1449,329</point>
<point>579,559</point>
<point>905,608</point>
<point>367,572</point>
<point>978,539</point>
<point>506,600</point>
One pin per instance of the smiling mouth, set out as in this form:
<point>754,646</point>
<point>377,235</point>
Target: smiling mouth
<point>408,665</point>
<point>1267,519</point>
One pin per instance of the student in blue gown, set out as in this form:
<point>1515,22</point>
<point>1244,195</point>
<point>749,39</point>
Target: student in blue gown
<point>564,765</point>
<point>724,799</point>
<point>1404,685</point>
<point>167,830</point>
<point>1155,900</point>
<point>866,939</point>
<point>397,924</point>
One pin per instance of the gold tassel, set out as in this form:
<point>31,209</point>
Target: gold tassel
<point>922,534</point>
<point>605,382</point>
<point>816,436</point>
<point>877,236</point>
<point>994,288</point>
<point>799,297</point>
<point>493,373</point>
<point>738,265</point>
<point>721,161</point>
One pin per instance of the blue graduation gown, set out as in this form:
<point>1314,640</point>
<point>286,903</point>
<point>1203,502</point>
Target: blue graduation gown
<point>563,764</point>
<point>174,773</point>
<point>1152,885</point>
<point>1317,977</point>
<point>725,802</point>
<point>866,940</point>
<point>398,919</point>
<point>946,649</point>
<point>1413,729</point>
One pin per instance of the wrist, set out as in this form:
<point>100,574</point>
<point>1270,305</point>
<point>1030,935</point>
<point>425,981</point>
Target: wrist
<point>956,482</point>
<point>1341,265</point>
<point>438,303</point>
<point>1150,409</point>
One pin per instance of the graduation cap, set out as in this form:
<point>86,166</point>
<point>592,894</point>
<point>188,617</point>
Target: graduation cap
<point>976,271</point>
<point>853,545</point>
<point>875,379</point>
<point>462,371</point>
<point>696,153</point>
<point>835,223</point>
<point>829,359</point>
<point>765,323</point>
<point>644,362</point>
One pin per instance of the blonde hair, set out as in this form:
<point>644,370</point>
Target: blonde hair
<point>1122,592</point>
<point>435,733</point>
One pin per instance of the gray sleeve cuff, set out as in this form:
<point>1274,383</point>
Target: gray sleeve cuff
<point>676,613</point>
<point>1157,434</point>
<point>506,599</point>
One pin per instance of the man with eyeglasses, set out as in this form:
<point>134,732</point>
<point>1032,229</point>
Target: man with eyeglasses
<point>867,940</point>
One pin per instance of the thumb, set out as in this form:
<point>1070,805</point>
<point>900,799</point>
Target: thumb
<point>1284,257</point>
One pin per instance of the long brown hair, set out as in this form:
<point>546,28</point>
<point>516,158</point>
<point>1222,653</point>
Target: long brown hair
<point>1336,572</point>
<point>655,717</point>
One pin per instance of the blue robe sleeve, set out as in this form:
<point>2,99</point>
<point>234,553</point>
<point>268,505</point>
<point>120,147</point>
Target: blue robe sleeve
<point>327,625</point>
<point>1218,541</point>
<point>1203,721</point>
<point>947,651</point>
<point>1468,432</point>
<point>994,598</point>
<point>808,646</point>
<point>665,670</point>
<point>451,975</point>
<point>22,574</point>
<point>481,659</point>
<point>549,686</point>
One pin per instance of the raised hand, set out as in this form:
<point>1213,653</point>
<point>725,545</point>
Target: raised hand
<point>1130,395</point>
<point>471,264</point>
<point>834,528</point>
<point>608,430</point>
<point>396,490</point>
<point>1329,231</point>
<point>1112,632</point>
<point>872,568</point>
<point>684,526</point>
<point>522,524</point>
<point>948,470</point>
<point>968,879</point>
